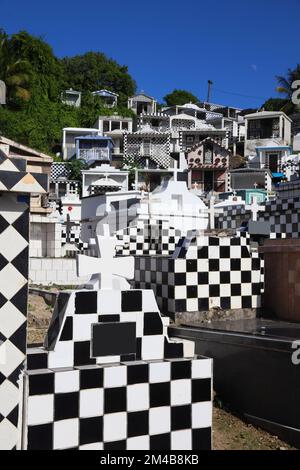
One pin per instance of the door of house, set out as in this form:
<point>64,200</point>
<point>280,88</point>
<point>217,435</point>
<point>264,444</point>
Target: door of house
<point>208,180</point>
<point>273,162</point>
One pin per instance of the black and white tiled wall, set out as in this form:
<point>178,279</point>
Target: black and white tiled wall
<point>204,272</point>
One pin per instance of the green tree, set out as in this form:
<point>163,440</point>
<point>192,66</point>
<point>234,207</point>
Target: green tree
<point>275,104</point>
<point>180,97</point>
<point>285,87</point>
<point>93,71</point>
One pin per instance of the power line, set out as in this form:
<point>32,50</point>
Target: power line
<point>239,94</point>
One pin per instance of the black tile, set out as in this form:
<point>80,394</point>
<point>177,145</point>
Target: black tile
<point>41,384</point>
<point>108,318</point>
<point>66,405</point>
<point>201,439</point>
<point>214,265</point>
<point>180,305</point>
<point>235,289</point>
<point>40,437</point>
<point>13,416</point>
<point>3,224</point>
<point>180,279</point>
<point>224,251</point>
<point>127,357</point>
<point>115,399</point>
<point>172,350</point>
<point>191,265</point>
<point>203,252</point>
<point>3,262</point>
<point>235,264</point>
<point>82,354</point>
<point>152,324</point>
<point>160,394</point>
<point>90,430</point>
<point>203,304</point>
<point>91,378</point>
<point>113,339</point>
<point>202,278</point>
<point>22,225</point>
<point>180,370</point>
<point>3,300</point>
<point>225,302</point>
<point>246,301</point>
<point>192,292</point>
<point>37,361</point>
<point>20,262</point>
<point>116,445</point>
<point>225,277</point>
<point>160,442</point>
<point>67,332</point>
<point>137,374</point>
<point>132,301</point>
<point>246,276</point>
<point>19,338</point>
<point>138,344</point>
<point>138,423</point>
<point>181,417</point>
<point>86,302</point>
<point>214,290</point>
<point>201,390</point>
<point>214,241</point>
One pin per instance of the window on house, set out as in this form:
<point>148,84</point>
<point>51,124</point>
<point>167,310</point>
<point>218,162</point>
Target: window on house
<point>190,139</point>
<point>115,125</point>
<point>105,126</point>
<point>125,125</point>
<point>208,154</point>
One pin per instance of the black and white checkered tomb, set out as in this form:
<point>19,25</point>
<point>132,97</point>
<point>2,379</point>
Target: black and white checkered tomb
<point>157,396</point>
<point>204,272</point>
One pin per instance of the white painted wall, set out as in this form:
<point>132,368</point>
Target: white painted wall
<point>47,271</point>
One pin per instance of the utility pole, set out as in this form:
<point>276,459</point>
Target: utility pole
<point>210,83</point>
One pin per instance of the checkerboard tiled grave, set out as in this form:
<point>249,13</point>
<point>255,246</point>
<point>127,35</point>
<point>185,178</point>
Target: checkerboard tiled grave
<point>16,184</point>
<point>109,377</point>
<point>148,237</point>
<point>282,214</point>
<point>203,272</point>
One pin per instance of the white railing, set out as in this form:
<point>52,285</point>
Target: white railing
<point>94,154</point>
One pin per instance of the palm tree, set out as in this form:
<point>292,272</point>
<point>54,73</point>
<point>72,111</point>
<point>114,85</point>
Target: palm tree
<point>285,87</point>
<point>15,73</point>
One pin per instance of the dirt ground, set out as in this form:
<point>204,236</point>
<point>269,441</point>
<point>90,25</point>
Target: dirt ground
<point>229,432</point>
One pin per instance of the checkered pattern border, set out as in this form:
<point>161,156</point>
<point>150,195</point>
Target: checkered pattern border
<point>14,238</point>
<point>148,237</point>
<point>165,405</point>
<point>204,272</point>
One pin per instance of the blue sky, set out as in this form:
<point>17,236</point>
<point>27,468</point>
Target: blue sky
<point>239,44</point>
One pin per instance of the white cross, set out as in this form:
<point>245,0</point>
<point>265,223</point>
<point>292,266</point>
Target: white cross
<point>107,271</point>
<point>255,209</point>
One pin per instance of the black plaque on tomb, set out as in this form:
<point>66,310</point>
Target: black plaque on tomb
<point>113,339</point>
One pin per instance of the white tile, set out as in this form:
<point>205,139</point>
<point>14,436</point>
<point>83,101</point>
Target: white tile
<point>159,372</point>
<point>225,290</point>
<point>201,414</point>
<point>203,291</point>
<point>40,409</point>
<point>181,440</point>
<point>11,319</point>
<point>67,381</point>
<point>201,368</point>
<point>63,356</point>
<point>11,280</point>
<point>114,427</point>
<point>137,397</point>
<point>180,292</point>
<point>82,326</point>
<point>192,305</point>
<point>138,443</point>
<point>180,392</point>
<point>159,420</point>
<point>91,403</point>
<point>66,434</point>
<point>192,279</point>
<point>115,376</point>
<point>93,446</point>
<point>9,397</point>
<point>8,435</point>
<point>235,277</point>
<point>12,243</point>
<point>13,358</point>
<point>109,302</point>
<point>214,277</point>
<point>152,347</point>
